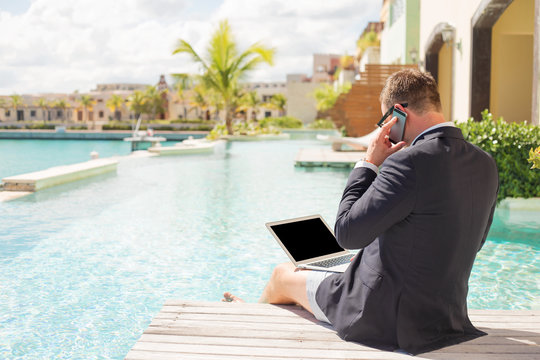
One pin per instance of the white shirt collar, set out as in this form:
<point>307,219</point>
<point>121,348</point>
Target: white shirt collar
<point>444,124</point>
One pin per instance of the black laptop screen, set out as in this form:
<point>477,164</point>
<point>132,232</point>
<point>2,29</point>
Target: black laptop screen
<point>306,239</point>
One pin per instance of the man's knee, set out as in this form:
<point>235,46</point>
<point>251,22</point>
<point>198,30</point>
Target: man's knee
<point>279,275</point>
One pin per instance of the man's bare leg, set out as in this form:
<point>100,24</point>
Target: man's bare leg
<point>287,285</point>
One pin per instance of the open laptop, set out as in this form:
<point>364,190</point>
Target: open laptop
<point>310,243</point>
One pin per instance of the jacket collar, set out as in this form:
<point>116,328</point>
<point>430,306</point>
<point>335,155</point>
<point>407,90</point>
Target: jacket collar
<point>439,131</point>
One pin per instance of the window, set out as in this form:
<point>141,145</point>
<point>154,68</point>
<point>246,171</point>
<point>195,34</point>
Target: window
<point>8,113</point>
<point>101,114</point>
<point>32,113</point>
<point>59,113</point>
<point>267,114</point>
<point>99,100</point>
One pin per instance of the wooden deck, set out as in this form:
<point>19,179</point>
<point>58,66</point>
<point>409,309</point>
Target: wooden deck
<point>204,330</point>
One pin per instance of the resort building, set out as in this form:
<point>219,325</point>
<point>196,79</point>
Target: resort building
<point>484,54</point>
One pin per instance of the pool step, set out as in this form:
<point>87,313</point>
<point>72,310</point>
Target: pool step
<point>58,175</point>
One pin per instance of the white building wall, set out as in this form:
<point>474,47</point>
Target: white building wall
<point>457,13</point>
<point>393,40</point>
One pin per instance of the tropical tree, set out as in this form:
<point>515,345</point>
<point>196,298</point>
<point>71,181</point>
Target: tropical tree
<point>182,83</point>
<point>44,106</point>
<point>137,103</point>
<point>62,105</point>
<point>16,102</point>
<point>87,102</point>
<point>114,103</point>
<point>3,106</point>
<point>326,95</point>
<point>250,101</point>
<point>155,101</point>
<point>199,98</point>
<point>224,65</point>
<point>278,102</point>
<point>369,39</point>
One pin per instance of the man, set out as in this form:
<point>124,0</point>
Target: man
<point>419,221</point>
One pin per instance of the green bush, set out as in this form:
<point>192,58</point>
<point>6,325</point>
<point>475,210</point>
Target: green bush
<point>509,144</point>
<point>40,126</point>
<point>322,124</point>
<point>284,122</point>
<point>10,127</point>
<point>78,127</point>
<point>117,125</point>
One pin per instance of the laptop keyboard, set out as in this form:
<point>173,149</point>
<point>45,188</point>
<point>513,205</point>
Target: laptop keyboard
<point>328,263</point>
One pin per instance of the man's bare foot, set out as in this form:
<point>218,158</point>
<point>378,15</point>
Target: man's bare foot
<point>228,297</point>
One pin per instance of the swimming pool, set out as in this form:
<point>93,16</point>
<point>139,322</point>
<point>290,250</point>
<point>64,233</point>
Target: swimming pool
<point>84,267</point>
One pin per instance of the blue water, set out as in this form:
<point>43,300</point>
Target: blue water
<point>85,266</point>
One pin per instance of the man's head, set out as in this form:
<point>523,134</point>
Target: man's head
<point>419,90</point>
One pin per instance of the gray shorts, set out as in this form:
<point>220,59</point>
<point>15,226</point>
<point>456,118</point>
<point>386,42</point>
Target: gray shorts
<point>313,280</point>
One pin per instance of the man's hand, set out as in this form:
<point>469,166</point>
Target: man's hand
<point>380,147</point>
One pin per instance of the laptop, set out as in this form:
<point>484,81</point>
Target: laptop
<point>310,243</point>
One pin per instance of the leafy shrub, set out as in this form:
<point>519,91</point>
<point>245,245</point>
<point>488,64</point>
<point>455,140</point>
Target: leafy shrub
<point>78,127</point>
<point>534,158</point>
<point>218,131</point>
<point>284,122</point>
<point>40,126</point>
<point>117,125</point>
<point>509,144</point>
<point>10,127</point>
<point>322,124</point>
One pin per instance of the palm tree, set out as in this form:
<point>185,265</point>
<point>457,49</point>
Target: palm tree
<point>200,98</point>
<point>278,102</point>
<point>62,105</point>
<point>137,103</point>
<point>114,103</point>
<point>224,65</point>
<point>16,102</point>
<point>44,106</point>
<point>251,101</point>
<point>182,83</point>
<point>86,102</point>
<point>155,101</point>
<point>3,106</point>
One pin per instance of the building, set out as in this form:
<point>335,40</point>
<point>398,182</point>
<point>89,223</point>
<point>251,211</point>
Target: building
<point>484,54</point>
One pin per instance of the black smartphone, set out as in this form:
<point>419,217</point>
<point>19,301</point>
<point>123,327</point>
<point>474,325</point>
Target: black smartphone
<point>397,131</point>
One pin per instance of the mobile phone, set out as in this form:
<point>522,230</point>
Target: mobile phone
<point>397,131</point>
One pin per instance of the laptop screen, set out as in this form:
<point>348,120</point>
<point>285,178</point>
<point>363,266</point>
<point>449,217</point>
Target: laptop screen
<point>306,239</point>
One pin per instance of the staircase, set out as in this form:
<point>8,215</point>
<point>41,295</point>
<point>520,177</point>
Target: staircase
<point>359,109</point>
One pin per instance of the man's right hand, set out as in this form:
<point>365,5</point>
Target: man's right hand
<point>380,147</point>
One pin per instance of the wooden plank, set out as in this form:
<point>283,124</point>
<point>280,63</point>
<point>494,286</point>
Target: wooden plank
<point>193,330</point>
<point>243,333</point>
<point>268,351</point>
<point>469,347</point>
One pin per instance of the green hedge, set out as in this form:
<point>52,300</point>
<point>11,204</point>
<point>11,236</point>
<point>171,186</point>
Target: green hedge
<point>284,122</point>
<point>322,124</point>
<point>509,144</point>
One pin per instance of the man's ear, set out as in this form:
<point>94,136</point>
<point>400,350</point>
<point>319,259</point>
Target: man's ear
<point>399,107</point>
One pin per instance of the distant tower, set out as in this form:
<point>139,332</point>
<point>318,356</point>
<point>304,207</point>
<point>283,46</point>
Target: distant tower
<point>164,87</point>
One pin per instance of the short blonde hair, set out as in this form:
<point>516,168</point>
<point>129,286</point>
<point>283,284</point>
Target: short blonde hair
<point>412,86</point>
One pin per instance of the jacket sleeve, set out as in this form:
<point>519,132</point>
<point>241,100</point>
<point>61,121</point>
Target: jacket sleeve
<point>371,204</point>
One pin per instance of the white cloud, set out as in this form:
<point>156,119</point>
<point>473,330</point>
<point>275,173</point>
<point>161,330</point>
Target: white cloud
<point>63,45</point>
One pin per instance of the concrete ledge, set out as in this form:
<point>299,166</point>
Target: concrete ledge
<point>323,157</point>
<point>58,175</point>
<point>181,149</point>
<point>262,137</point>
<point>530,204</point>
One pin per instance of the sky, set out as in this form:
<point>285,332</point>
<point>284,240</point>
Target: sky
<point>66,45</point>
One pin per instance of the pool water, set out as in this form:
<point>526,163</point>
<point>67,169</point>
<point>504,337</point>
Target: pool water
<point>84,267</point>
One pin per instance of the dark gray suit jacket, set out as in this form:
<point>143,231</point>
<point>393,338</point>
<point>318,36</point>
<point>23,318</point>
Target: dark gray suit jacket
<point>420,223</point>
